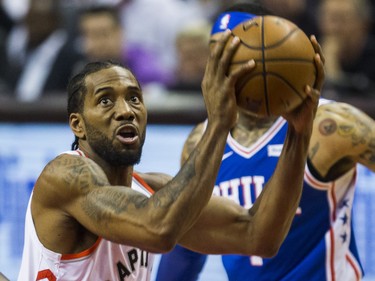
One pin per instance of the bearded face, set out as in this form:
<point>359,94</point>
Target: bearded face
<point>113,153</point>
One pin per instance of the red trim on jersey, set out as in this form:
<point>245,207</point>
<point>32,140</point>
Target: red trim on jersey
<point>141,181</point>
<point>315,183</point>
<point>82,254</point>
<point>334,202</point>
<point>331,233</point>
<point>80,152</point>
<point>332,254</point>
<point>356,270</point>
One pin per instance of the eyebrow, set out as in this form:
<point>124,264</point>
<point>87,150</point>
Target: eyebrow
<point>129,88</point>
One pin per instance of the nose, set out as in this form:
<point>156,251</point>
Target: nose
<point>124,111</point>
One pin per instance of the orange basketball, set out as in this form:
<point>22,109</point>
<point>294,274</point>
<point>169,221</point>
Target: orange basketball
<point>284,59</point>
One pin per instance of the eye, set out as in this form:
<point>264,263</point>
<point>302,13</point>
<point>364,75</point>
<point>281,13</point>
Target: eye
<point>105,101</point>
<point>135,99</point>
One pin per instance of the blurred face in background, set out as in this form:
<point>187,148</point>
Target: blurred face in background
<point>192,46</point>
<point>41,20</point>
<point>101,37</point>
<point>192,57</point>
<point>285,8</point>
<point>343,18</point>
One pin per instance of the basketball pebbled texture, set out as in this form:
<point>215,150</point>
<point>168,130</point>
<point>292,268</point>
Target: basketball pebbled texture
<point>284,59</point>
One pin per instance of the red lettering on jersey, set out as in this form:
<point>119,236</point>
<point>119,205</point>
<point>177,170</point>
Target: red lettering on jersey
<point>46,274</point>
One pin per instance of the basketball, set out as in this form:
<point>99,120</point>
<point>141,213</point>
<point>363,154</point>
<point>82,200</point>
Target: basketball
<point>284,58</point>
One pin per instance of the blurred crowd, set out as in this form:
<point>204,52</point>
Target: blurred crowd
<point>165,42</point>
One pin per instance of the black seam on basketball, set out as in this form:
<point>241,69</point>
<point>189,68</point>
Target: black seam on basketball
<point>280,42</point>
<point>242,83</point>
<point>286,82</point>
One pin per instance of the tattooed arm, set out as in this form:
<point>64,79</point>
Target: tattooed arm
<point>342,136</point>
<point>74,203</point>
<point>77,199</point>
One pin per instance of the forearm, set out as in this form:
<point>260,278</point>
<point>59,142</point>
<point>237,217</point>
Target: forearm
<point>189,191</point>
<point>275,209</point>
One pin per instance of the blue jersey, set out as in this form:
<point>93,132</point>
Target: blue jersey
<point>320,244</point>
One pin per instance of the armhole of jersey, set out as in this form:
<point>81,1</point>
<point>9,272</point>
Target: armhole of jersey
<point>82,254</point>
<point>89,251</point>
<point>143,183</point>
<point>349,176</point>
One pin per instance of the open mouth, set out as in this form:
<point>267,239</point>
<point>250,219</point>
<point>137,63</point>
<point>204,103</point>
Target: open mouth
<point>127,135</point>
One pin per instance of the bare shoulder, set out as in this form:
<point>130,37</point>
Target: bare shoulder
<point>343,135</point>
<point>155,180</point>
<point>67,175</point>
<point>192,140</point>
<point>344,121</point>
<point>343,112</point>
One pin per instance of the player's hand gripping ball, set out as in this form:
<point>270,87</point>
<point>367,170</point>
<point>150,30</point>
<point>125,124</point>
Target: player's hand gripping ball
<point>284,58</point>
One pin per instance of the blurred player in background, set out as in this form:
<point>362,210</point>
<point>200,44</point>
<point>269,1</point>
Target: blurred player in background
<point>320,244</point>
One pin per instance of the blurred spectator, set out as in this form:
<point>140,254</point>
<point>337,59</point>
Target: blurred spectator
<point>16,9</point>
<point>209,8</point>
<point>348,45</point>
<point>6,24</point>
<point>301,12</point>
<point>192,45</point>
<point>102,37</point>
<point>39,59</point>
<point>155,24</point>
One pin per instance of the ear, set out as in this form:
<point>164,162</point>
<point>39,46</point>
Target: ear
<point>77,125</point>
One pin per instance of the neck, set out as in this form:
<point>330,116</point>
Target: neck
<point>117,175</point>
<point>249,128</point>
<point>250,122</point>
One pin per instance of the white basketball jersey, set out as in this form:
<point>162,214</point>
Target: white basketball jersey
<point>103,261</point>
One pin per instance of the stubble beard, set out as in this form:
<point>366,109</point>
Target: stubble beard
<point>104,147</point>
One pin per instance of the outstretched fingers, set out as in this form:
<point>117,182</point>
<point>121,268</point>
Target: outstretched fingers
<point>317,47</point>
<point>320,73</point>
<point>222,55</point>
<point>319,61</point>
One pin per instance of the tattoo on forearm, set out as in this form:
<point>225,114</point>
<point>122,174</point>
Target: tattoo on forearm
<point>113,201</point>
<point>182,179</point>
<point>102,204</point>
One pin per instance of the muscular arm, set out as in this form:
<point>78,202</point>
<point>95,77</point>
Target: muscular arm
<point>74,196</point>
<point>229,228</point>
<point>342,137</point>
<point>260,230</point>
<point>76,187</point>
